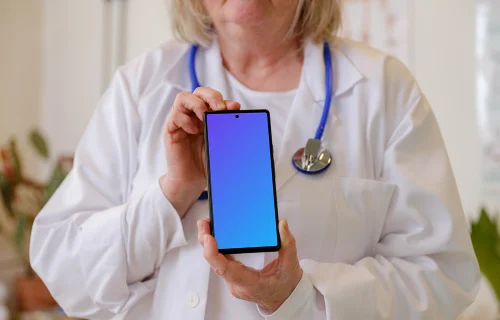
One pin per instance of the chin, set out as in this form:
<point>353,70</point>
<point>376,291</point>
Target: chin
<point>247,12</point>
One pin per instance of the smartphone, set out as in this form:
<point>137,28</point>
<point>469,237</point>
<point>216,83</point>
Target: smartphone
<point>241,181</point>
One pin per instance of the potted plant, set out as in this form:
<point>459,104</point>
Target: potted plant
<point>485,234</point>
<point>22,198</point>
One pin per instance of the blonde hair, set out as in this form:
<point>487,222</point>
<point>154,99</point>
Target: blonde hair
<point>319,20</point>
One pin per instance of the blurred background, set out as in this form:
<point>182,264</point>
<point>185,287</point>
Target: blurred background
<point>57,57</point>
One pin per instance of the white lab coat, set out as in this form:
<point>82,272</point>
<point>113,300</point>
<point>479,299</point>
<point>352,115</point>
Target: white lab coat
<point>380,235</point>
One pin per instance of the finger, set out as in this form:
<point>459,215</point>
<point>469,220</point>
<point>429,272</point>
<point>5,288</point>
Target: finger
<point>203,225</point>
<point>270,268</point>
<point>230,257</point>
<point>200,126</point>
<point>214,258</point>
<point>203,229</point>
<point>212,97</point>
<point>177,136</point>
<point>188,103</point>
<point>232,105</point>
<point>231,270</point>
<point>288,251</point>
<point>179,120</point>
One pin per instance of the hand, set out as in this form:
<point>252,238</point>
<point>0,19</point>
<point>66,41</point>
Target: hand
<point>186,175</point>
<point>270,287</point>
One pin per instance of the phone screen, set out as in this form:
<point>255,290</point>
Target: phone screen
<point>241,181</point>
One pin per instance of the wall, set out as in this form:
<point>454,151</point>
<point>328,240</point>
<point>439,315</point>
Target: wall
<point>74,59</point>
<point>72,68</point>
<point>20,71</point>
<point>444,64</point>
<point>20,76</point>
<point>445,67</point>
<point>147,25</point>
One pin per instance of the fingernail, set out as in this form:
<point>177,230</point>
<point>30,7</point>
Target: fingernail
<point>221,106</point>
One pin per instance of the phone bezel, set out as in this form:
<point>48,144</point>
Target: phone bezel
<point>212,231</point>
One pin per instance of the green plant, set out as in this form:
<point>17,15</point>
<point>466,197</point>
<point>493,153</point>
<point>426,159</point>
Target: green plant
<point>486,241</point>
<point>23,197</point>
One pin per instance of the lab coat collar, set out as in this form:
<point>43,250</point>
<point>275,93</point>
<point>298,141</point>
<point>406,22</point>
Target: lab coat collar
<point>209,70</point>
<point>211,73</point>
<point>345,73</point>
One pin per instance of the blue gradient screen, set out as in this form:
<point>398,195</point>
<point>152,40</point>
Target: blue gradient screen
<point>241,180</point>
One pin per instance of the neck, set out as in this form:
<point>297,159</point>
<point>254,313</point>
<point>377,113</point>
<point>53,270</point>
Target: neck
<point>262,61</point>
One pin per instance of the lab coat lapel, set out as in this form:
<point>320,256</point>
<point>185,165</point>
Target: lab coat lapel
<point>210,69</point>
<point>305,112</point>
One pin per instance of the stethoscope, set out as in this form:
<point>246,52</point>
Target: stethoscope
<point>311,159</point>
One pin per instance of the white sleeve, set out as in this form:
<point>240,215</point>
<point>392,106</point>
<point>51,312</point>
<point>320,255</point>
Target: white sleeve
<point>96,250</point>
<point>423,266</point>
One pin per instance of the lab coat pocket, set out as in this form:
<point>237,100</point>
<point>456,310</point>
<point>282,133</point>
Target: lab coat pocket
<point>307,201</point>
<point>361,207</point>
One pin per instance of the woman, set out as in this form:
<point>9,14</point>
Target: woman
<point>380,235</point>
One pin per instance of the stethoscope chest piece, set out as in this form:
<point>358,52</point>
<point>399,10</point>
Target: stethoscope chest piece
<point>312,159</point>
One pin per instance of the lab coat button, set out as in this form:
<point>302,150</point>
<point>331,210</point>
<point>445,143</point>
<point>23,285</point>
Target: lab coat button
<point>192,299</point>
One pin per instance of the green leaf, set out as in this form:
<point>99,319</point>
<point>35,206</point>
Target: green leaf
<point>57,177</point>
<point>19,233</point>
<point>16,160</point>
<point>38,142</point>
<point>7,193</point>
<point>486,242</point>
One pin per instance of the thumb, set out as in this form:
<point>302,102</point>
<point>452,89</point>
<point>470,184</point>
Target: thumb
<point>288,249</point>
<point>232,105</point>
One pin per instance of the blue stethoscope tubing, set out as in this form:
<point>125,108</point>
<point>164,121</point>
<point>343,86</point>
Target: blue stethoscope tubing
<point>327,55</point>
<point>192,68</point>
